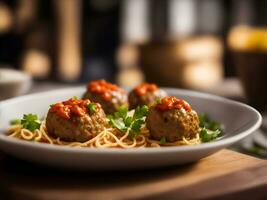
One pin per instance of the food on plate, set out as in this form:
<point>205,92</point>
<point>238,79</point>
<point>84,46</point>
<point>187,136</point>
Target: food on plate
<point>145,94</point>
<point>75,120</point>
<point>209,129</point>
<point>169,121</point>
<point>172,119</point>
<point>109,95</point>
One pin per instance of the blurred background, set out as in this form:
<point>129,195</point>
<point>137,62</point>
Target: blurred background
<point>180,43</point>
<point>216,46</point>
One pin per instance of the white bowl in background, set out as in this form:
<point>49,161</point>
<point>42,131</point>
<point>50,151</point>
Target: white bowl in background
<point>13,83</point>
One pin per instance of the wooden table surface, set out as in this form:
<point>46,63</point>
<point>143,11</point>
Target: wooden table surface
<point>224,175</point>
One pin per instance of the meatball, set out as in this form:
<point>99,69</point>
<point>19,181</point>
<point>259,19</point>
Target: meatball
<point>173,119</point>
<point>110,96</point>
<point>145,94</point>
<point>75,120</point>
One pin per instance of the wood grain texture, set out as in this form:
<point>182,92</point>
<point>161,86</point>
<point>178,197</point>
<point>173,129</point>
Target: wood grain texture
<point>224,174</point>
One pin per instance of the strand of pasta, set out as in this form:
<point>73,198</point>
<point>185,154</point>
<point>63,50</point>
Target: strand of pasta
<point>108,138</point>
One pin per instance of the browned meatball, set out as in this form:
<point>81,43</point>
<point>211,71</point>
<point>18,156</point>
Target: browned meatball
<point>172,119</point>
<point>145,94</point>
<point>110,96</point>
<point>73,121</point>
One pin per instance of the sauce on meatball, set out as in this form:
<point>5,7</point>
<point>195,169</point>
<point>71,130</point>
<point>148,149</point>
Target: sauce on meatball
<point>110,96</point>
<point>145,94</point>
<point>70,107</point>
<point>142,89</point>
<point>169,103</point>
<point>104,88</point>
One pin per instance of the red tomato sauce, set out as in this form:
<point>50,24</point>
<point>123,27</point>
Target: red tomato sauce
<point>142,89</point>
<point>70,107</point>
<point>104,88</point>
<point>169,103</point>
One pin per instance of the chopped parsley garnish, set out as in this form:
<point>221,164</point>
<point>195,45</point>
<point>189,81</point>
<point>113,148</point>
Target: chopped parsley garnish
<point>208,135</point>
<point>122,112</point>
<point>30,122</point>
<point>209,129</point>
<point>205,121</point>
<point>121,121</point>
<point>140,112</point>
<point>259,151</point>
<point>15,121</point>
<point>255,150</point>
<point>162,140</point>
<point>92,107</point>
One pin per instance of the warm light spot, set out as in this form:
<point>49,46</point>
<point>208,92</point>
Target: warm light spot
<point>36,63</point>
<point>6,18</point>
<point>202,75</point>
<point>130,77</point>
<point>69,44</point>
<point>200,48</point>
<point>127,56</point>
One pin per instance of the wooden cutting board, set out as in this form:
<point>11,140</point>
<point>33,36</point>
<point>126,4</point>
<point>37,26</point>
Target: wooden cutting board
<point>224,175</point>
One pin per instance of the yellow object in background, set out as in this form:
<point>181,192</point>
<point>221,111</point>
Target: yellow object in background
<point>244,38</point>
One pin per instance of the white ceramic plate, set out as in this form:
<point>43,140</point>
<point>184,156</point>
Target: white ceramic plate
<point>239,121</point>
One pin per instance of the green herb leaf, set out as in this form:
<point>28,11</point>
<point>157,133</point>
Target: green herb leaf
<point>75,97</point>
<point>125,123</point>
<point>51,105</point>
<point>258,151</point>
<point>136,125</point>
<point>132,134</point>
<point>30,122</point>
<point>162,140</point>
<point>122,112</point>
<point>214,125</point>
<point>208,135</point>
<point>128,121</point>
<point>205,121</point>
<point>140,112</point>
<point>15,121</point>
<point>117,123</point>
<point>255,150</point>
<point>91,107</point>
<point>135,128</point>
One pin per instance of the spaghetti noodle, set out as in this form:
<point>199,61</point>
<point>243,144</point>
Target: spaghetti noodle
<point>108,138</point>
